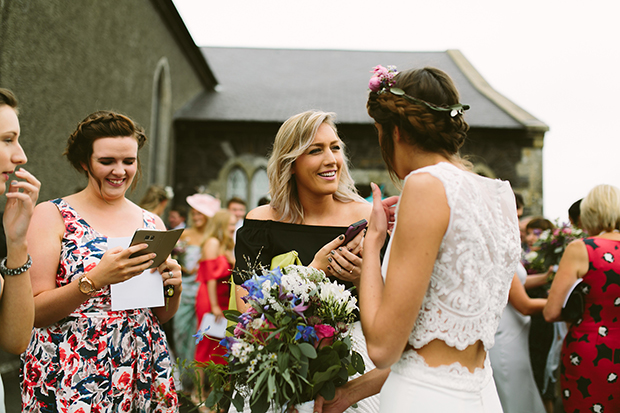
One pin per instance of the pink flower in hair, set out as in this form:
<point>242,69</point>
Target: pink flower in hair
<point>374,84</point>
<point>382,78</point>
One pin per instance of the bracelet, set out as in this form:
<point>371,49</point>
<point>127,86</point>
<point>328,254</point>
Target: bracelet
<point>14,271</point>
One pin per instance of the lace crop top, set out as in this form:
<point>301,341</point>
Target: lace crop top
<point>477,259</point>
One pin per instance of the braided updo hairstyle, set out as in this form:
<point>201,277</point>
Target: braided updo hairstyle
<point>101,124</point>
<point>430,130</point>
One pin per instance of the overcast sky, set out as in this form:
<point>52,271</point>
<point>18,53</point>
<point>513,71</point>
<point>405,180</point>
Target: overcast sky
<point>557,59</point>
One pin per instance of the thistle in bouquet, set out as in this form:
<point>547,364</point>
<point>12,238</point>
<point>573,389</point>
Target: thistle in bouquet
<point>292,343</point>
<point>552,243</point>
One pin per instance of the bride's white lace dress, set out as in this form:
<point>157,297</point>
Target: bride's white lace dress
<point>467,293</point>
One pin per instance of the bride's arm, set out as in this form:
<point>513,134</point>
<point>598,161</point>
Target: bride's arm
<point>388,312</point>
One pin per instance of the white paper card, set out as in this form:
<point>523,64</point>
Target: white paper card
<point>216,329</point>
<point>142,291</point>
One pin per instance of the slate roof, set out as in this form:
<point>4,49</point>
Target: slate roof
<point>270,85</point>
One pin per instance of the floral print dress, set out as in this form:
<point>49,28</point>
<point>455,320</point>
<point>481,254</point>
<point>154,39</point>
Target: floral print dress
<point>591,352</point>
<point>95,359</point>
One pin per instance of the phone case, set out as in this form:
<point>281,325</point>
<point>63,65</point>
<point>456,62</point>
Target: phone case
<point>353,230</point>
<point>160,242</point>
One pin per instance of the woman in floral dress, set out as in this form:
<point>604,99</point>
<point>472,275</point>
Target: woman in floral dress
<point>84,357</point>
<point>591,349</point>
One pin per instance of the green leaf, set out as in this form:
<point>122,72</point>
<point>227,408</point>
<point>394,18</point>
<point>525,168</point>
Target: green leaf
<point>307,350</point>
<point>358,362</point>
<point>271,386</point>
<point>261,405</point>
<point>238,402</point>
<point>232,315</point>
<point>260,380</point>
<point>283,360</point>
<point>328,391</point>
<point>295,351</point>
<point>213,398</point>
<point>397,91</point>
<point>303,371</point>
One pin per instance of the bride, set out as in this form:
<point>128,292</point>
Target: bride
<point>451,258</point>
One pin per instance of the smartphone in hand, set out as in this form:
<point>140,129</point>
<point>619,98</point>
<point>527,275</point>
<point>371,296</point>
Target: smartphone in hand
<point>353,230</point>
<point>159,242</point>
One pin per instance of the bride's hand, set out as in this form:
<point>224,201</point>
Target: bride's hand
<point>382,215</point>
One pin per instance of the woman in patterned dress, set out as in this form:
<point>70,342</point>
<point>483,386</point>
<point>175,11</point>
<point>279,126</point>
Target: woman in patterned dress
<point>84,357</point>
<point>591,351</point>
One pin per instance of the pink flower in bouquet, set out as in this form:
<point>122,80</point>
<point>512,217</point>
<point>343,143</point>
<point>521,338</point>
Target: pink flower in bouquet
<point>325,334</point>
<point>238,330</point>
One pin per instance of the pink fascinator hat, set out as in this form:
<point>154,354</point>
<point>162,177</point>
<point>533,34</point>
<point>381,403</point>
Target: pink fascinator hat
<point>204,203</point>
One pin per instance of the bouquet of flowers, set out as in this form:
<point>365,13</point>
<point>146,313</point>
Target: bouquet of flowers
<point>290,345</point>
<point>550,247</point>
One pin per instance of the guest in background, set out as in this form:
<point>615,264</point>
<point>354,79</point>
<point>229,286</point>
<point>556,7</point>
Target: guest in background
<point>574,213</point>
<point>16,301</point>
<point>510,355</point>
<point>590,353</point>
<point>156,199</point>
<point>83,355</point>
<point>541,332</point>
<point>520,204</point>
<point>177,217</point>
<point>203,206</point>
<point>238,208</point>
<point>264,201</point>
<point>213,275</point>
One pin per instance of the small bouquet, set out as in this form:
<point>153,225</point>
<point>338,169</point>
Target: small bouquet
<point>179,249</point>
<point>550,247</point>
<point>291,345</point>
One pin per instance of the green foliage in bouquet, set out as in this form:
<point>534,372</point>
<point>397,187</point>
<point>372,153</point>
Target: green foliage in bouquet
<point>291,345</point>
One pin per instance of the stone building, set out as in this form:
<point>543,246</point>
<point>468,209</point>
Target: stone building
<point>224,136</point>
<point>65,60</point>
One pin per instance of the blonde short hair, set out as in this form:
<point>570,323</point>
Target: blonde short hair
<point>294,137</point>
<point>600,209</point>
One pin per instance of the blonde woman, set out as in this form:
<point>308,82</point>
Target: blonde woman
<point>589,374</point>
<point>213,275</point>
<point>185,323</point>
<point>313,201</point>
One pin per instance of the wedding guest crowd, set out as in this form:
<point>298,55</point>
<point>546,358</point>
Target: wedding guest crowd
<point>444,299</point>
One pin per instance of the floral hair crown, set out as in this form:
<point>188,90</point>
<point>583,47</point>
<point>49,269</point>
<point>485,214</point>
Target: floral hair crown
<point>383,80</point>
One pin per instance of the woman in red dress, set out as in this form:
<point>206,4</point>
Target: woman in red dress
<point>591,350</point>
<point>214,275</point>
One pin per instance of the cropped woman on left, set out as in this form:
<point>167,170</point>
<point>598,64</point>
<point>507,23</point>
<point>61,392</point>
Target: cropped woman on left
<point>16,304</point>
<point>82,355</point>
